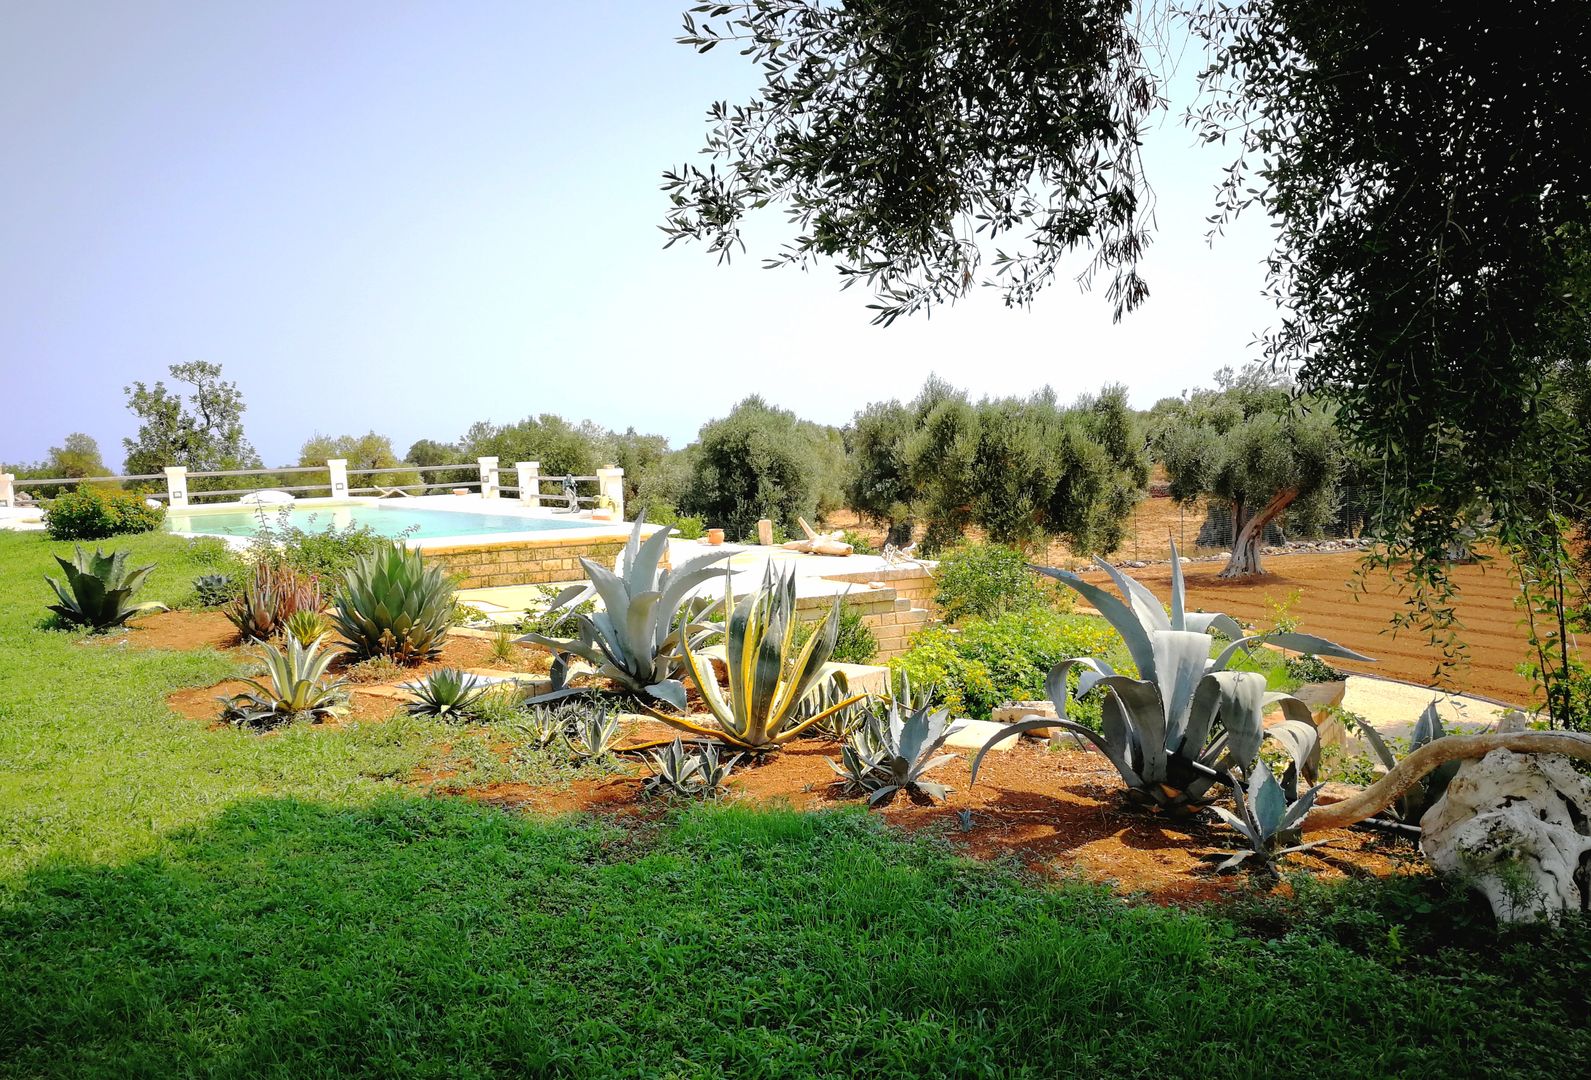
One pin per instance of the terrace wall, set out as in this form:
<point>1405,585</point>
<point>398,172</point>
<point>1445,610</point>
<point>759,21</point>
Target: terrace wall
<point>522,562</point>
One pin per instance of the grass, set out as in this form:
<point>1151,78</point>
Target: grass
<point>178,901</point>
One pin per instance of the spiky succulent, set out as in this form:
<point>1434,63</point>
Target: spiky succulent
<point>212,590</point>
<point>635,640</point>
<point>98,590</point>
<point>392,604</point>
<point>294,686</point>
<point>1267,818</point>
<point>273,594</point>
<point>592,732</point>
<point>768,676</point>
<point>1411,806</point>
<point>836,720</point>
<point>306,626</point>
<point>1187,721</point>
<point>544,724</point>
<point>446,693</point>
<point>682,772</point>
<point>893,751</point>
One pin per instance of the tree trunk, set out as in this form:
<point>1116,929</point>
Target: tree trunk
<point>1245,560</point>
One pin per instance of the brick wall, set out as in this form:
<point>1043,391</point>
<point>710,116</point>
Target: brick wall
<point>893,613</point>
<point>480,566</point>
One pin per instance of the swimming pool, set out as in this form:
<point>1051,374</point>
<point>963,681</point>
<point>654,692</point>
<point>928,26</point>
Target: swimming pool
<point>413,522</point>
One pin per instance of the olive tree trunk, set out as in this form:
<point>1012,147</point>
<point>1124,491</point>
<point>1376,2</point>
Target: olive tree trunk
<point>1249,532</point>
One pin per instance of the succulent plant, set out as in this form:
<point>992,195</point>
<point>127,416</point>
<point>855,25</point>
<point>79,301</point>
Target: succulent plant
<point>636,639</point>
<point>592,732</point>
<point>1411,806</point>
<point>306,626</point>
<point>392,604</point>
<point>688,773</point>
<point>447,693</point>
<point>294,686</point>
<point>768,676</point>
<point>212,590</point>
<point>1187,721</point>
<point>837,720</point>
<point>892,751</point>
<point>544,724</point>
<point>1267,818</point>
<point>98,590</point>
<point>273,594</point>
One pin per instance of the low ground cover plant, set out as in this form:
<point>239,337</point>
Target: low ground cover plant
<point>91,513</point>
<point>987,662</point>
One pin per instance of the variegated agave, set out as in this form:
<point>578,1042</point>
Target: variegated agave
<point>836,719</point>
<point>635,641</point>
<point>768,677</point>
<point>1268,818</point>
<point>891,752</point>
<point>1188,720</point>
<point>294,686</point>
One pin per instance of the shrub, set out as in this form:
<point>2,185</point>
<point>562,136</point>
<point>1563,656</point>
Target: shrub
<point>860,544</point>
<point>92,514</point>
<point>855,643</point>
<point>984,581</point>
<point>685,526</point>
<point>550,620</point>
<point>324,553</point>
<point>990,662</point>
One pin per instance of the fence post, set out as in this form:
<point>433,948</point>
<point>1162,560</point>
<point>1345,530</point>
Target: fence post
<point>8,489</point>
<point>610,485</point>
<point>489,479</point>
<point>177,487</point>
<point>529,482</point>
<point>338,467</point>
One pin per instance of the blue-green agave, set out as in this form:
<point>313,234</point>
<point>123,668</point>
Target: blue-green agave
<point>1187,720</point>
<point>1267,818</point>
<point>1411,806</point>
<point>892,751</point>
<point>636,640</point>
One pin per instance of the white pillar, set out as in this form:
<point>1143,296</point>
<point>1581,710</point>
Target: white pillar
<point>8,489</point>
<point>338,467</point>
<point>177,486</point>
<point>610,483</point>
<point>489,478</point>
<point>529,482</point>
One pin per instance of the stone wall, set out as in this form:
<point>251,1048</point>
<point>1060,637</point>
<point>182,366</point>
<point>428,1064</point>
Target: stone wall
<point>893,613</point>
<point>522,562</point>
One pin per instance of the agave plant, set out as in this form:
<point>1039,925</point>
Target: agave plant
<point>212,590</point>
<point>913,697</point>
<point>1267,817</point>
<point>891,752</point>
<point>447,693</point>
<point>98,591</point>
<point>593,732</point>
<point>1411,806</point>
<point>837,720</point>
<point>392,604</point>
<point>1188,720</point>
<point>636,641</point>
<point>273,594</point>
<point>683,773</point>
<point>294,685</point>
<point>544,724</point>
<point>768,677</point>
<point>306,626</point>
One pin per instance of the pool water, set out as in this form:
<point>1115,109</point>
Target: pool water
<point>410,521</point>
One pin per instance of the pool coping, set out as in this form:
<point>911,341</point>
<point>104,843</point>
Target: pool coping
<point>565,535</point>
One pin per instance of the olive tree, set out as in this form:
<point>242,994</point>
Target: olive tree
<point>757,462</point>
<point>201,428</point>
<point>1258,451</point>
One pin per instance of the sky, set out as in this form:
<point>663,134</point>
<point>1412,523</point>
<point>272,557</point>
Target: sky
<point>408,216</point>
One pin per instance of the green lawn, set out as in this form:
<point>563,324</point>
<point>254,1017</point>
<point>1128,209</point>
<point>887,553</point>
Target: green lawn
<point>179,901</point>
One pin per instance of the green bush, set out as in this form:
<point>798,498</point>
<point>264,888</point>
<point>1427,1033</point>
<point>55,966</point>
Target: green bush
<point>757,462</point>
<point>989,662</point>
<point>860,544</point>
<point>855,643</point>
<point>684,526</point>
<point>93,514</point>
<point>323,553</point>
<point>985,581</point>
